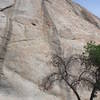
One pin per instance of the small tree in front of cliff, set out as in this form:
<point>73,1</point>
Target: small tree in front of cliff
<point>63,73</point>
<point>90,75</point>
<point>91,60</point>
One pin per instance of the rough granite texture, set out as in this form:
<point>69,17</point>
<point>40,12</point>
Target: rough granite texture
<point>30,32</point>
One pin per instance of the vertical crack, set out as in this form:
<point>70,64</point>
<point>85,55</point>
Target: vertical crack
<point>51,31</point>
<point>4,46</point>
<point>5,41</point>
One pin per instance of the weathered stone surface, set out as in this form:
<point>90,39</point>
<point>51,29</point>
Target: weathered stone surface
<point>3,21</point>
<point>31,32</point>
<point>3,24</point>
<point>4,4</point>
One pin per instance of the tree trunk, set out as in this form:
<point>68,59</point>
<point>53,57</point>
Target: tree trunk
<point>93,93</point>
<point>75,92</point>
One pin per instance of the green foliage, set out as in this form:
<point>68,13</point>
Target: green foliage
<point>92,58</point>
<point>93,53</point>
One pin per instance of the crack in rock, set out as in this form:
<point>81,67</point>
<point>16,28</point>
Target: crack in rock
<point>21,41</point>
<point>6,8</point>
<point>51,31</point>
<point>5,4</point>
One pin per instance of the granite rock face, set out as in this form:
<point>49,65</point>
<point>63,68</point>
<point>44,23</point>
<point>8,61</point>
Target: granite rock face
<point>31,31</point>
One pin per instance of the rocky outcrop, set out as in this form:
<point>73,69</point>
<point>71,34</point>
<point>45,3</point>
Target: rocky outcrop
<point>31,31</point>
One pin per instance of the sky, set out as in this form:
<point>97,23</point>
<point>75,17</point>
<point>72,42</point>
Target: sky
<point>92,5</point>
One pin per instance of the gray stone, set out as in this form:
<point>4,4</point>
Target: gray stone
<point>31,31</point>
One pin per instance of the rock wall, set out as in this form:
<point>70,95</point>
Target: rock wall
<point>31,31</point>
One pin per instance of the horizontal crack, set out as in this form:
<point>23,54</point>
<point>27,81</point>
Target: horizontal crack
<point>7,7</point>
<point>21,41</point>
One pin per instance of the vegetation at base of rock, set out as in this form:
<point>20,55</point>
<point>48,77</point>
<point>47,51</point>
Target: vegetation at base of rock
<point>90,75</point>
<point>92,59</point>
<point>93,52</point>
<point>63,73</point>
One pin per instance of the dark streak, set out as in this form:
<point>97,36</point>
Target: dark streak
<point>6,8</point>
<point>49,1</point>
<point>33,24</point>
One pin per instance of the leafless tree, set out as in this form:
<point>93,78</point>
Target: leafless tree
<point>87,75</point>
<point>62,73</point>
